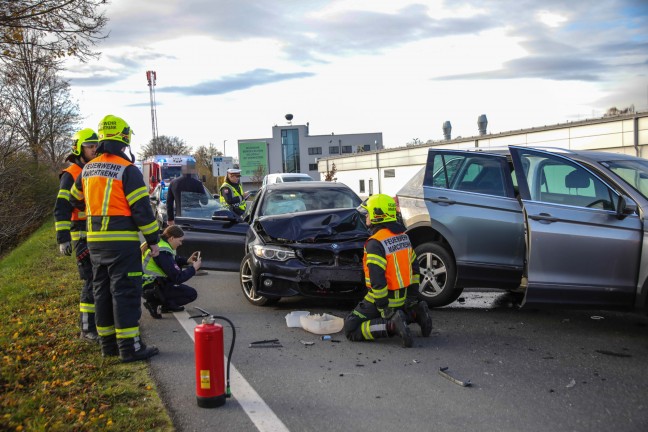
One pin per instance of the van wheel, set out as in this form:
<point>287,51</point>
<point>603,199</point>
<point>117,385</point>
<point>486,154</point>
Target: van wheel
<point>438,275</point>
<point>249,284</point>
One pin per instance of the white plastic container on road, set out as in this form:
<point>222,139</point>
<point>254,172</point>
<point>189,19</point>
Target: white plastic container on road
<point>293,318</point>
<point>322,324</point>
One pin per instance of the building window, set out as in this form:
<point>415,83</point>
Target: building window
<point>347,149</point>
<point>290,150</point>
<point>312,167</point>
<point>389,173</point>
<point>366,147</point>
<point>314,150</point>
<point>334,150</point>
<point>362,187</point>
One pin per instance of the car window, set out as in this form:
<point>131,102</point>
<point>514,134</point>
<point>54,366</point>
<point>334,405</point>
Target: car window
<point>199,205</point>
<point>278,202</point>
<point>470,173</point>
<point>553,179</point>
<point>633,172</point>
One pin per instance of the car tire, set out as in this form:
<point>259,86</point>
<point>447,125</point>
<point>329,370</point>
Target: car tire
<point>249,283</point>
<point>438,275</point>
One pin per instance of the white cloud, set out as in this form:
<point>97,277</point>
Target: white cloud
<point>232,70</point>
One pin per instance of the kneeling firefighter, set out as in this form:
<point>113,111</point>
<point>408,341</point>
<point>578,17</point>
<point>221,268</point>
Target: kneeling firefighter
<point>392,279</point>
<point>163,288</point>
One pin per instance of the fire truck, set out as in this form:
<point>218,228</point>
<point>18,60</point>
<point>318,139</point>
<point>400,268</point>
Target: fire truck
<point>163,168</point>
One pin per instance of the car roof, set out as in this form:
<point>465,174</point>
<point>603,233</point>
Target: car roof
<point>588,155</point>
<point>307,185</point>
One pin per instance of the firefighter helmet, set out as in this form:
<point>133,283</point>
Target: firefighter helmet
<point>114,128</point>
<point>83,137</point>
<point>381,208</point>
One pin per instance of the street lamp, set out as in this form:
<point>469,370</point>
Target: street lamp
<point>224,141</point>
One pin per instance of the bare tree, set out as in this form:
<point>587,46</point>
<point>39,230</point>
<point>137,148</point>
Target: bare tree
<point>259,173</point>
<point>330,175</point>
<point>165,145</point>
<point>66,27</point>
<point>37,102</point>
<point>205,156</point>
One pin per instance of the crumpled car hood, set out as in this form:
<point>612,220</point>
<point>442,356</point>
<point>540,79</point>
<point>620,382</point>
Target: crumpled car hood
<point>315,226</point>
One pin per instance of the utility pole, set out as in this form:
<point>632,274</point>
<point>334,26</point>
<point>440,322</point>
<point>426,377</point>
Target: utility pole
<point>224,141</point>
<point>151,77</point>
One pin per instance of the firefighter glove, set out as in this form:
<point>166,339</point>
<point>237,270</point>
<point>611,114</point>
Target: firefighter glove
<point>65,248</point>
<point>387,312</point>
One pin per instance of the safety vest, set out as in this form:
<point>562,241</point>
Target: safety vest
<point>397,265</point>
<point>75,170</point>
<point>103,189</point>
<point>150,268</point>
<point>237,191</point>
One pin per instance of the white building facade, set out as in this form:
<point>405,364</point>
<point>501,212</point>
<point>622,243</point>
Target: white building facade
<point>293,150</point>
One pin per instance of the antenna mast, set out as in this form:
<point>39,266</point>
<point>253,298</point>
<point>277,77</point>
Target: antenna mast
<point>151,77</point>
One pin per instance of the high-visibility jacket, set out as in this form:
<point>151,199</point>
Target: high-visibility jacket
<point>150,268</point>
<point>69,221</point>
<point>236,200</point>
<point>387,263</point>
<point>116,201</point>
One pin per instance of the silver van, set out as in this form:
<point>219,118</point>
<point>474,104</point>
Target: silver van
<point>559,226</point>
<point>285,178</point>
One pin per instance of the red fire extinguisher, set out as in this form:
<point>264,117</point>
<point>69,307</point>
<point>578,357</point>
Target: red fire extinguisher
<point>211,386</point>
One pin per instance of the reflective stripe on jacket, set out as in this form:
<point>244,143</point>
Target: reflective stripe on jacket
<point>237,192</point>
<point>388,268</point>
<point>151,269</point>
<point>117,206</point>
<point>69,221</point>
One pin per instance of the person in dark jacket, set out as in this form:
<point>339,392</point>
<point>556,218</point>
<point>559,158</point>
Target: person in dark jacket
<point>71,227</point>
<point>164,290</point>
<point>188,182</point>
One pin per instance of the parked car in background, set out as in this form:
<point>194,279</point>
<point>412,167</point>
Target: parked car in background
<point>560,226</point>
<point>285,178</point>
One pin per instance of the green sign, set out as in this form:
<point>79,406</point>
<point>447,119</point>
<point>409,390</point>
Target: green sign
<point>253,158</point>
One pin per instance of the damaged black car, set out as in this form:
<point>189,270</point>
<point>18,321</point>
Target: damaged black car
<point>304,239</point>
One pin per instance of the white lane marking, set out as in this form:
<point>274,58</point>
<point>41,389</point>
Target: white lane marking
<point>259,412</point>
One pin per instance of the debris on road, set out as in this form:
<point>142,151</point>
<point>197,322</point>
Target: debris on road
<point>571,384</point>
<point>597,317</point>
<point>268,343</point>
<point>612,353</point>
<point>444,374</point>
<point>307,343</point>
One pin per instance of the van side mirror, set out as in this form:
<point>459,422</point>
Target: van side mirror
<point>625,206</point>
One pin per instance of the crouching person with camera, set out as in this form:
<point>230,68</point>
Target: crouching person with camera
<point>164,276</point>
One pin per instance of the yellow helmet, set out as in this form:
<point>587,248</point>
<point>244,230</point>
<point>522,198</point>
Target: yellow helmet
<point>381,208</point>
<point>84,136</point>
<point>114,128</point>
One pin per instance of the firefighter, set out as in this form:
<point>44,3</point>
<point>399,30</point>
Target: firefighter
<point>231,192</point>
<point>164,275</point>
<point>71,227</point>
<point>118,207</point>
<point>391,272</point>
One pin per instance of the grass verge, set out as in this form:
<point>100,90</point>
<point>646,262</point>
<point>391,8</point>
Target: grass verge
<point>49,379</point>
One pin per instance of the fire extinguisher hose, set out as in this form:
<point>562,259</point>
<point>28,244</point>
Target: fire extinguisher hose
<point>228,392</point>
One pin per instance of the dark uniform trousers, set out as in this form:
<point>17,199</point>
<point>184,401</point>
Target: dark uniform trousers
<point>117,269</point>
<point>84,265</point>
<point>365,323</point>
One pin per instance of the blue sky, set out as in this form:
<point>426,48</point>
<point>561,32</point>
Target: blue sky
<point>229,70</point>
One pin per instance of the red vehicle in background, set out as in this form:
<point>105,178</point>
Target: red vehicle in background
<point>163,168</point>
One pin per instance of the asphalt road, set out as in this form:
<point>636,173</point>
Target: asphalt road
<point>531,370</point>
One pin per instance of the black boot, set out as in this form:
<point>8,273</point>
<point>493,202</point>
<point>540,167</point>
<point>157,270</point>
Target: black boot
<point>398,326</point>
<point>154,309</point>
<point>423,318</point>
<point>133,349</point>
<point>108,346</point>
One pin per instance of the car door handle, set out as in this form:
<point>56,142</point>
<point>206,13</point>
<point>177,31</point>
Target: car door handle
<point>543,217</point>
<point>443,201</point>
<point>185,227</point>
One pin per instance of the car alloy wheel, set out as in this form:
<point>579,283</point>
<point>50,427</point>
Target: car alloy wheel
<point>249,283</point>
<point>438,275</point>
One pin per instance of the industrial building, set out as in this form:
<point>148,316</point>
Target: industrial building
<point>386,171</point>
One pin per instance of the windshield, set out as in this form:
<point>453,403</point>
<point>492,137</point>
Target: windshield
<point>296,179</point>
<point>171,172</point>
<point>633,172</point>
<point>277,202</point>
